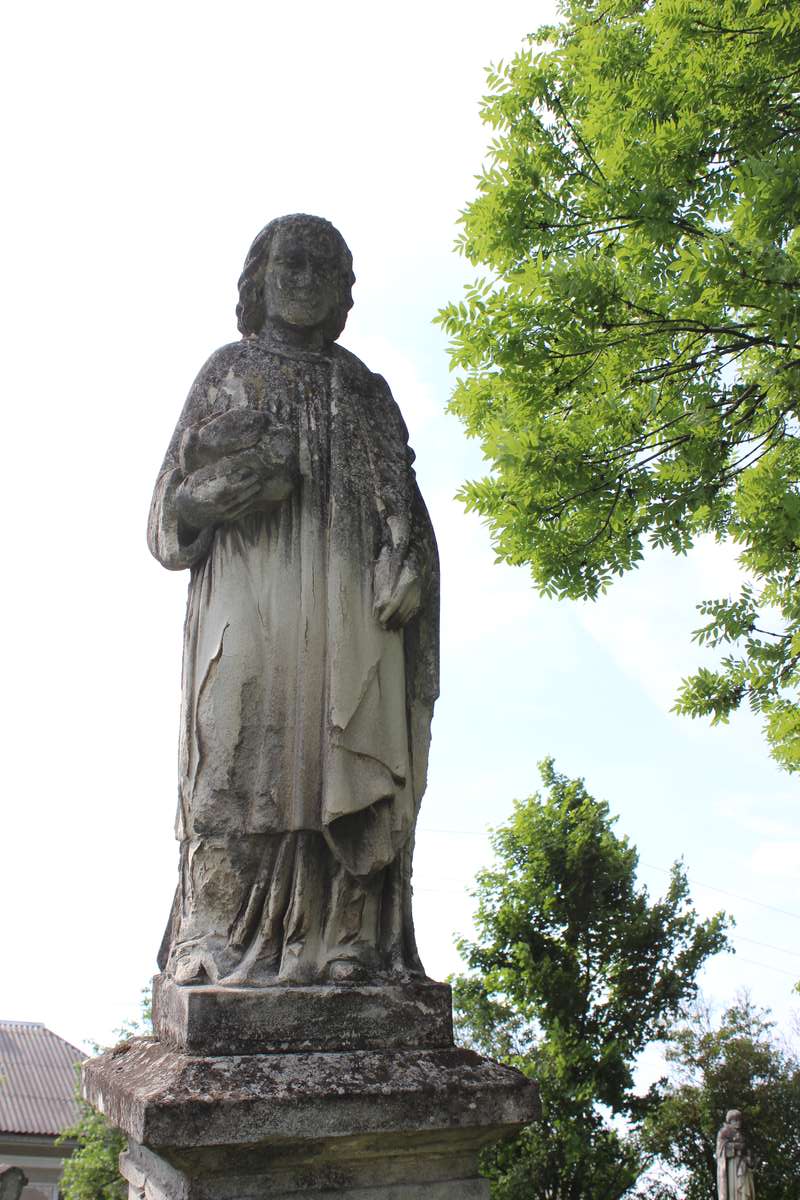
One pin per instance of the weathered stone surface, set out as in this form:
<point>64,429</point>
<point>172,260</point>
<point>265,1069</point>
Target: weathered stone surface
<point>380,1172</point>
<point>371,1125</point>
<point>210,1020</point>
<point>163,1098</point>
<point>12,1182</point>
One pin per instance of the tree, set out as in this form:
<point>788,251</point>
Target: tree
<point>630,353</point>
<point>736,1063</point>
<point>92,1170</point>
<point>573,972</point>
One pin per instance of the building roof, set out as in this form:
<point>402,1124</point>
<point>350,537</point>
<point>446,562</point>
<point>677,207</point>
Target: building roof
<point>37,1079</point>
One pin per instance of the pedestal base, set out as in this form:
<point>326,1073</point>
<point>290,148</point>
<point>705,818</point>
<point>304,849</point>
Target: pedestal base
<point>208,1019</point>
<point>368,1124</point>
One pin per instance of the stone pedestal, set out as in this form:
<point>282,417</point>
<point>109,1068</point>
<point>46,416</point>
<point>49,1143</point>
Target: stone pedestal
<point>384,1108</point>
<point>210,1020</point>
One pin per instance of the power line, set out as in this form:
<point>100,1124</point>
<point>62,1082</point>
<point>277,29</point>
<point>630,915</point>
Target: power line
<point>461,890</point>
<point>766,966</point>
<point>725,892</point>
<point>652,866</point>
<point>741,938</point>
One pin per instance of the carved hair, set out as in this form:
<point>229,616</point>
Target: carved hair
<point>251,312</point>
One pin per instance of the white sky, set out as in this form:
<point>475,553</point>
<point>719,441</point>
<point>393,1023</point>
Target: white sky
<point>145,145</point>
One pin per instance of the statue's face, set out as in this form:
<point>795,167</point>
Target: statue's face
<point>301,281</point>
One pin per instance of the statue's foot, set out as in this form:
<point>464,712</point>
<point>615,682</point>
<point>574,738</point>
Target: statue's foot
<point>188,968</point>
<point>353,962</point>
<point>200,960</point>
<point>346,970</point>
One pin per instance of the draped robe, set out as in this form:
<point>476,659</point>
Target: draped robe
<point>305,724</point>
<point>734,1173</point>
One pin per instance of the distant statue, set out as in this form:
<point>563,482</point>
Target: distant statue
<point>734,1165</point>
<point>13,1180</point>
<point>310,659</point>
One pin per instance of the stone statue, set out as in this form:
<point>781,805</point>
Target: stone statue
<point>13,1181</point>
<point>299,1048</point>
<point>734,1165</point>
<point>310,659</point>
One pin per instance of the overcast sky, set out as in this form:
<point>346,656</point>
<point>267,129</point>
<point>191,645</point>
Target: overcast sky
<point>146,144</point>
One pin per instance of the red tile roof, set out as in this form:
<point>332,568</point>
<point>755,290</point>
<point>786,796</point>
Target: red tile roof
<point>37,1079</point>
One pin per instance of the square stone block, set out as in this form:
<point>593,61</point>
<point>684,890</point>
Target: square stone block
<point>209,1020</point>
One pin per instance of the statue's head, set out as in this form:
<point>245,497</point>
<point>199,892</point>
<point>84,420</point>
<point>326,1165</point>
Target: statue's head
<point>298,272</point>
<point>733,1117</point>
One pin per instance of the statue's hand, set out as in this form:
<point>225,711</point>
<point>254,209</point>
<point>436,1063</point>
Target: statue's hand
<point>220,492</point>
<point>397,591</point>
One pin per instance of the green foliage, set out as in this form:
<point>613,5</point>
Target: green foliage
<point>736,1063</point>
<point>630,356</point>
<point>92,1172</point>
<point>574,971</point>
<point>565,1156</point>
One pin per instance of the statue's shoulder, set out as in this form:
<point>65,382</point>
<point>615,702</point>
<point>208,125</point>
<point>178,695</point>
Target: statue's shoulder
<point>224,370</point>
<point>232,356</point>
<point>351,366</point>
<point>388,420</point>
<point>358,372</point>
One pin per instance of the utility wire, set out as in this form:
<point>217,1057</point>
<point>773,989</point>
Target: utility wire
<point>750,961</point>
<point>724,892</point>
<point>766,966</point>
<point>462,886</point>
<point>767,946</point>
<point>652,866</point>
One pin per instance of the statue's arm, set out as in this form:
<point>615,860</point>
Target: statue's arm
<point>408,558</point>
<point>175,544</point>
<point>407,517</point>
<point>172,540</point>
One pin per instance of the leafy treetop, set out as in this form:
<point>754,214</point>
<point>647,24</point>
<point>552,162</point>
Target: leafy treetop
<point>630,355</point>
<point>573,971</point>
